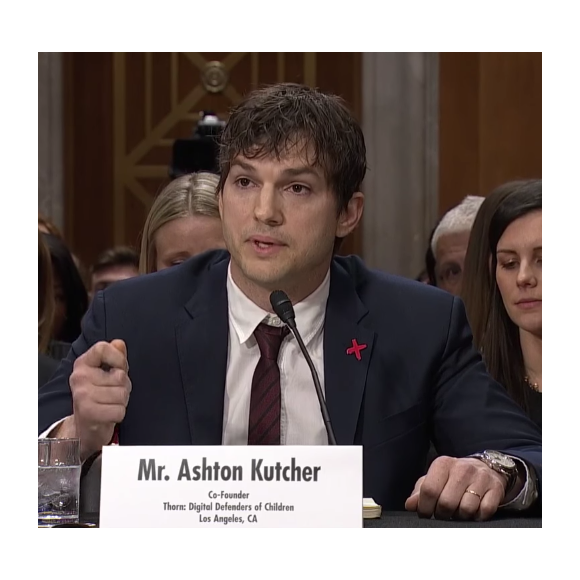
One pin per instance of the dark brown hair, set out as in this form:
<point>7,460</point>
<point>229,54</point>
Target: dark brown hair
<point>273,120</point>
<point>44,222</point>
<point>45,295</point>
<point>118,256</point>
<point>76,298</point>
<point>494,333</point>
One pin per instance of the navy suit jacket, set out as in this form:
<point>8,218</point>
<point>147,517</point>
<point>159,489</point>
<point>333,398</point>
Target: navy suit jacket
<point>419,378</point>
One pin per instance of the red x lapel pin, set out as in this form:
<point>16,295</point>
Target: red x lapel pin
<point>356,349</point>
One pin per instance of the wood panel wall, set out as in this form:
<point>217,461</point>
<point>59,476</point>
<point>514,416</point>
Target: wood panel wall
<point>490,125</point>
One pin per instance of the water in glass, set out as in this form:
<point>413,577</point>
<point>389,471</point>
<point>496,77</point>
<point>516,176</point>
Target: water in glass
<point>58,495</point>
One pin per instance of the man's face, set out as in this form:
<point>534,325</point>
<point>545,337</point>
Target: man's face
<point>449,261</point>
<point>280,219</point>
<point>103,278</point>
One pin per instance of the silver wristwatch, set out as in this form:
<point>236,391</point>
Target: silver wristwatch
<point>501,463</point>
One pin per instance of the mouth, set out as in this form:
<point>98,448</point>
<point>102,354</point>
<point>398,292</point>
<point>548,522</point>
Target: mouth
<point>265,245</point>
<point>529,303</point>
<point>265,241</point>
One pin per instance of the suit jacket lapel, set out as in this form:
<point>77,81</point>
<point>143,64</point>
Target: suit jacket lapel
<point>345,375</point>
<point>202,344</point>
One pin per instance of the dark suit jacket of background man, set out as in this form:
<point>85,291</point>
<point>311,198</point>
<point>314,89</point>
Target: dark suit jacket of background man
<point>419,377</point>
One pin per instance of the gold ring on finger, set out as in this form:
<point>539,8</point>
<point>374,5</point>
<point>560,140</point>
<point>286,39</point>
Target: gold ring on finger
<point>473,492</point>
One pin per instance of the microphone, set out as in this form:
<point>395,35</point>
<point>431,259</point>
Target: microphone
<point>285,311</point>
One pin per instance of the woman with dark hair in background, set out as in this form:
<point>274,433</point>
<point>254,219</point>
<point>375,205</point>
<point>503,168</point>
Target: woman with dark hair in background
<point>70,294</point>
<point>45,296</point>
<point>502,290</point>
<point>46,365</point>
<point>47,227</point>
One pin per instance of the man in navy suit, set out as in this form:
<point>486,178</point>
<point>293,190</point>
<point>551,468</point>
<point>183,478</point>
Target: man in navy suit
<point>194,354</point>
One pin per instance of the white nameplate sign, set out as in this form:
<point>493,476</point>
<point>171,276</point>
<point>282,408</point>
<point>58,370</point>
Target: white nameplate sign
<point>231,486</point>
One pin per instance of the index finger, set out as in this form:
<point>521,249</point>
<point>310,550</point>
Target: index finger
<point>105,354</point>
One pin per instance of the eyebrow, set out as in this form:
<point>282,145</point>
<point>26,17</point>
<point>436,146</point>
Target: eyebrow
<point>298,171</point>
<point>289,172</point>
<point>245,166</point>
<point>446,264</point>
<point>172,254</point>
<point>506,251</point>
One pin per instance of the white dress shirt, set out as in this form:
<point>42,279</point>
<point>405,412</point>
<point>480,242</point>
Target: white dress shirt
<point>301,421</point>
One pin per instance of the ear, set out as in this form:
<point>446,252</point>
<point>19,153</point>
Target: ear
<point>350,217</point>
<point>220,196</point>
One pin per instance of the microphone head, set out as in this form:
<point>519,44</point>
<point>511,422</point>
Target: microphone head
<point>282,306</point>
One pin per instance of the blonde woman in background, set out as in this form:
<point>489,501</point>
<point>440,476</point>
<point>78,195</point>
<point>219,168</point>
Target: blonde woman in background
<point>183,221</point>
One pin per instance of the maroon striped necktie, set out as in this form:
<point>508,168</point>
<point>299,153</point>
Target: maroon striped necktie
<point>265,400</point>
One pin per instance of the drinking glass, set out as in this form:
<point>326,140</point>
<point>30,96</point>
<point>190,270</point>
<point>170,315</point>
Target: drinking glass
<point>59,473</point>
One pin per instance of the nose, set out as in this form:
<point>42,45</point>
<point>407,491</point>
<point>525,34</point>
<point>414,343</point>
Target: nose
<point>267,209</point>
<point>526,275</point>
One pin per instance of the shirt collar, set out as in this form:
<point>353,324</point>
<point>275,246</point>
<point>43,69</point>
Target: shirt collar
<point>245,315</point>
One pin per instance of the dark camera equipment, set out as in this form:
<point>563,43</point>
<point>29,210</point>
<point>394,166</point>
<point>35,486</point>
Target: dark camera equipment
<point>200,151</point>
